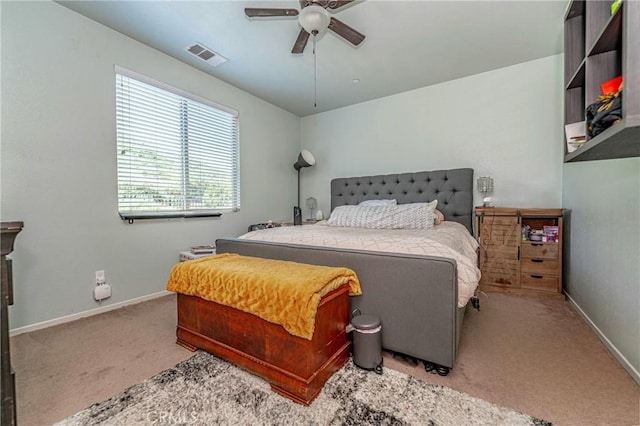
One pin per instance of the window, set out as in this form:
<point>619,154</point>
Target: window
<point>178,154</point>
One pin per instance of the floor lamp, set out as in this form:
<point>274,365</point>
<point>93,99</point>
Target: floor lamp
<point>305,159</point>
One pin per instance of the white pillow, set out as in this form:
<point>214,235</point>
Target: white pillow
<point>404,216</point>
<point>378,203</point>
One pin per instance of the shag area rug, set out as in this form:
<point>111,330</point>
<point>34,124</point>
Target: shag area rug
<point>205,390</point>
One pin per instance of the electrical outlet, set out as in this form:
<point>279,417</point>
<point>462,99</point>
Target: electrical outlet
<point>100,278</point>
<point>101,292</point>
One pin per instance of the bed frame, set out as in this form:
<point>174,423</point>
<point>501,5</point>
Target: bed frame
<point>414,296</point>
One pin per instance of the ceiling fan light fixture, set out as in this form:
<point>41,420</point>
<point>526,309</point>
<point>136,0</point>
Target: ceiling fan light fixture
<point>314,19</point>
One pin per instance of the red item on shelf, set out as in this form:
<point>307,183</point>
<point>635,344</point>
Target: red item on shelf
<point>611,86</point>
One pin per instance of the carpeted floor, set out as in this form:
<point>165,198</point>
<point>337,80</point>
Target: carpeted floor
<point>205,390</point>
<point>535,357</point>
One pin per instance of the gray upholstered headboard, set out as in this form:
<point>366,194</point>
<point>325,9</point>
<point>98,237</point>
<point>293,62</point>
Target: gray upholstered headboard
<point>452,188</point>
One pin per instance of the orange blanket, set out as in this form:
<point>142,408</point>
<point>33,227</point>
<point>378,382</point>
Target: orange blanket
<point>278,291</point>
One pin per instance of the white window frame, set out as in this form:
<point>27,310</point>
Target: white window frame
<point>159,182</point>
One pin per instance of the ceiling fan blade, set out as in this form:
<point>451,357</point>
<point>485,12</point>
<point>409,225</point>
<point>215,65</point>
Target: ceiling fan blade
<point>253,12</point>
<point>337,4</point>
<point>346,32</point>
<point>301,41</point>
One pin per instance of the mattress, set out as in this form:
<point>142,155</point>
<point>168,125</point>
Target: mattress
<point>448,239</point>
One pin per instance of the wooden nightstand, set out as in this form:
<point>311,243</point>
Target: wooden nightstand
<point>265,225</point>
<point>511,264</point>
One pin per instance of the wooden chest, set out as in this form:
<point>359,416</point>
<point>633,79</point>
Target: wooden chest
<point>295,367</point>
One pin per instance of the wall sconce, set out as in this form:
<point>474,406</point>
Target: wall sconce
<point>485,186</point>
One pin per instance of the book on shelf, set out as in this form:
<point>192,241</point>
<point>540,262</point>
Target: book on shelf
<point>203,249</point>
<point>576,135</point>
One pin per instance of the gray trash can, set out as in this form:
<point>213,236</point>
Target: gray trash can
<point>367,342</point>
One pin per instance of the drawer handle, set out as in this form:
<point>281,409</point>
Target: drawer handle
<point>537,260</point>
<point>536,276</point>
<point>537,244</point>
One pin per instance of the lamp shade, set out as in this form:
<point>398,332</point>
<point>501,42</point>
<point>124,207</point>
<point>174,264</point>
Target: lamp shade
<point>485,184</point>
<point>305,159</point>
<point>314,19</point>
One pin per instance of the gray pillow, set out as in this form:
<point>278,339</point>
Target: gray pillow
<point>378,203</point>
<point>404,216</point>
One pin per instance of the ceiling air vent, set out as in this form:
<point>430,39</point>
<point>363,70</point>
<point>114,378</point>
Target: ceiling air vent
<point>206,54</point>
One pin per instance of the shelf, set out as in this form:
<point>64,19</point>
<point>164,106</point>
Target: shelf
<point>574,48</point>
<point>600,46</point>
<point>621,140</point>
<point>575,8</point>
<point>611,36</point>
<point>578,78</point>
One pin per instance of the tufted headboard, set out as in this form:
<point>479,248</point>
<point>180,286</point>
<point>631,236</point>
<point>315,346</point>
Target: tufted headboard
<point>452,188</point>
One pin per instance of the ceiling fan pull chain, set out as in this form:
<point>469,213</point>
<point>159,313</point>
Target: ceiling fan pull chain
<point>315,73</point>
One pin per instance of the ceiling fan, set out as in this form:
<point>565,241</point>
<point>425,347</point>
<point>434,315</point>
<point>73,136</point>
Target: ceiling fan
<point>313,18</point>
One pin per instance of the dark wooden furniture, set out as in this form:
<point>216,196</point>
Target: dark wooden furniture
<point>8,233</point>
<point>510,264</point>
<point>296,368</point>
<point>264,225</point>
<point>598,47</point>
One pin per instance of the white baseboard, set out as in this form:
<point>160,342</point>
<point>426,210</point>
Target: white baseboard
<point>84,314</point>
<point>635,375</point>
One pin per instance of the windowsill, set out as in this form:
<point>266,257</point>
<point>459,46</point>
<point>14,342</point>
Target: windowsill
<point>186,215</point>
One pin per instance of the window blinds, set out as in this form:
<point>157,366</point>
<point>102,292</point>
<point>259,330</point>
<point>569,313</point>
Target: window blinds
<point>178,155</point>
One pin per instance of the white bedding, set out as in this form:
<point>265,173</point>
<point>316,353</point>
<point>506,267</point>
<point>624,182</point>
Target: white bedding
<point>449,239</point>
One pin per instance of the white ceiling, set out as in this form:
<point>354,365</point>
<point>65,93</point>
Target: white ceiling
<point>409,44</point>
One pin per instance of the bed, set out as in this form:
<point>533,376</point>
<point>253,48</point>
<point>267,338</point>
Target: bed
<point>416,296</point>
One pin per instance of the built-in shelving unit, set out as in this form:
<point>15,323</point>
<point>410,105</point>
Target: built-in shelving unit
<point>600,46</point>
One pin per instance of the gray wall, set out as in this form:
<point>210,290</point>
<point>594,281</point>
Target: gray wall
<point>505,123</point>
<point>603,254</point>
<point>59,164</point>
<point>508,124</point>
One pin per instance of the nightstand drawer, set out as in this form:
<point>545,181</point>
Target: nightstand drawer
<point>540,250</point>
<point>540,266</point>
<point>540,282</point>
